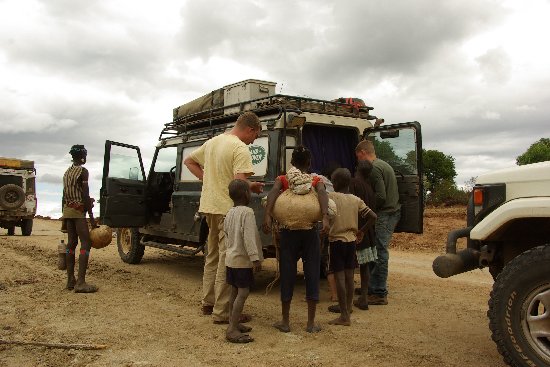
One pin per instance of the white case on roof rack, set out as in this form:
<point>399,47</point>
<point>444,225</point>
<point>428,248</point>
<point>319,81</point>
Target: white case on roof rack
<point>246,90</point>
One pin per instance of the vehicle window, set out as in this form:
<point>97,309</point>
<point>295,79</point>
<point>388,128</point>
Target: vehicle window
<point>258,151</point>
<point>186,175</point>
<point>166,159</point>
<point>124,163</point>
<point>397,147</point>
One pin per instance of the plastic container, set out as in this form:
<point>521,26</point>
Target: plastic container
<point>61,256</point>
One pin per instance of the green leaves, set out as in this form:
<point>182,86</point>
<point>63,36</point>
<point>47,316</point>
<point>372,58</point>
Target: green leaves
<point>537,152</point>
<point>438,167</point>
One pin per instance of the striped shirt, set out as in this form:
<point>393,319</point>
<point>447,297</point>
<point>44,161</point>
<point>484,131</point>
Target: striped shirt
<point>72,187</point>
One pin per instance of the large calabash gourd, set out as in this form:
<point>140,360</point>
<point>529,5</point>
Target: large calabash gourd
<point>101,236</point>
<point>297,211</point>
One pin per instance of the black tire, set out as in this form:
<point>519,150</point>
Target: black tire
<point>129,245</point>
<point>26,227</point>
<point>11,197</point>
<point>520,301</point>
<point>11,231</point>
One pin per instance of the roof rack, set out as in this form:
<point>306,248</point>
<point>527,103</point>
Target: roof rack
<point>220,117</point>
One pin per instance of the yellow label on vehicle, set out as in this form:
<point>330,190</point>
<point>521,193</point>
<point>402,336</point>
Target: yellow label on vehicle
<point>16,163</point>
<point>10,163</point>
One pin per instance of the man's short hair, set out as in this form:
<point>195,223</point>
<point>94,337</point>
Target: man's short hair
<point>341,177</point>
<point>237,189</point>
<point>78,151</point>
<point>249,119</point>
<point>365,145</point>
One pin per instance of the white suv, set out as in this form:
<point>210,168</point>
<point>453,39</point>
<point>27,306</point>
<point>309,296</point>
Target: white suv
<point>508,231</point>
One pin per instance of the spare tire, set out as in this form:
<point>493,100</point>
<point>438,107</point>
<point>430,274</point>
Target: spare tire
<point>11,197</point>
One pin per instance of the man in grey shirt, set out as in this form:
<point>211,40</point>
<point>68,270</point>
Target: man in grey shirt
<point>388,209</point>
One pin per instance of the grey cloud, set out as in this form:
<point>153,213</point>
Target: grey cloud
<point>86,42</point>
<point>495,66</point>
<point>50,178</point>
<point>362,40</point>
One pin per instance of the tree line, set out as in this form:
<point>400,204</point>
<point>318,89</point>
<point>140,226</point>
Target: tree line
<point>440,173</point>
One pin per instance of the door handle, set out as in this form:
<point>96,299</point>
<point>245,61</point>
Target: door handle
<point>123,189</point>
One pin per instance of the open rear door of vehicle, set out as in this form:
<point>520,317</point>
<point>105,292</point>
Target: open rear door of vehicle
<point>400,145</point>
<point>122,197</point>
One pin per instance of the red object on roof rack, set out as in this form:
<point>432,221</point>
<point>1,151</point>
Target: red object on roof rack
<point>355,103</point>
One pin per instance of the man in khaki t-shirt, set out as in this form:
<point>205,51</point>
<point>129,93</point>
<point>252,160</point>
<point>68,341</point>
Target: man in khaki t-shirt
<point>216,163</point>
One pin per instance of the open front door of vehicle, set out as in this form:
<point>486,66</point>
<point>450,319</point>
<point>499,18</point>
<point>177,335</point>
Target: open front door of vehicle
<point>400,145</point>
<point>122,200</point>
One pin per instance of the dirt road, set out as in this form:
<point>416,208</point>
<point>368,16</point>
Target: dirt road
<point>148,314</point>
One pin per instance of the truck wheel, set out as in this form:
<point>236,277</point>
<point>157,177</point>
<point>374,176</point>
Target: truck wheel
<point>129,245</point>
<point>26,227</point>
<point>11,197</point>
<point>519,309</point>
<point>11,231</point>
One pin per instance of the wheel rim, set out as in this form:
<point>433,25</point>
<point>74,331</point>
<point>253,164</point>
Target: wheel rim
<point>536,321</point>
<point>125,240</point>
<point>11,197</point>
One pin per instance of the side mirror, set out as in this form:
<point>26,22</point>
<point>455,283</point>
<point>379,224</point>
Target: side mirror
<point>295,120</point>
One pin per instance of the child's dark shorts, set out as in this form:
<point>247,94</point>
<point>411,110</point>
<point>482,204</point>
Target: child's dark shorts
<point>239,277</point>
<point>342,255</point>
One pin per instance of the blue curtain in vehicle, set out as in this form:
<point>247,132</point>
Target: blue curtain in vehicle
<point>331,147</point>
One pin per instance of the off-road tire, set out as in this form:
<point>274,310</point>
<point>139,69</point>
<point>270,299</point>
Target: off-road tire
<point>11,231</point>
<point>11,197</point>
<point>129,245</point>
<point>520,300</point>
<point>26,227</point>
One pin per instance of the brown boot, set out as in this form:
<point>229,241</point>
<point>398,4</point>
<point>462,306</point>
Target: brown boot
<point>374,299</point>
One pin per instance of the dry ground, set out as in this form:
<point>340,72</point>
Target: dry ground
<point>148,314</point>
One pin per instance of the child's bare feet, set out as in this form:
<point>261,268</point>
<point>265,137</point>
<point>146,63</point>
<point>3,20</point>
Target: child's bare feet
<point>313,328</point>
<point>282,326</point>
<point>340,321</point>
<point>237,337</point>
<point>85,288</point>
<point>243,328</point>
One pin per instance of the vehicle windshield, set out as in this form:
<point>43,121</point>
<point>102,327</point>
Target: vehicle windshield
<point>166,159</point>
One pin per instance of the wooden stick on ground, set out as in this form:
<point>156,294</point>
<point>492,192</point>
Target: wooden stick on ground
<point>55,345</point>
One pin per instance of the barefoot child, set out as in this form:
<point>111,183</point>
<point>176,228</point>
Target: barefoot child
<point>243,254</point>
<point>342,237</point>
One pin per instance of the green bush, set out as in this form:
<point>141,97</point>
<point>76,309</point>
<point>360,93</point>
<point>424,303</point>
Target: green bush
<point>446,193</point>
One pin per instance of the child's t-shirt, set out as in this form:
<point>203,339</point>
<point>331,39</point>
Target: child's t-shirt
<point>344,226</point>
<point>242,238</point>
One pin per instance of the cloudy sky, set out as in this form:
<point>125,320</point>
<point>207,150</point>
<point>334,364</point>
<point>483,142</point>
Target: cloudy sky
<point>475,73</point>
